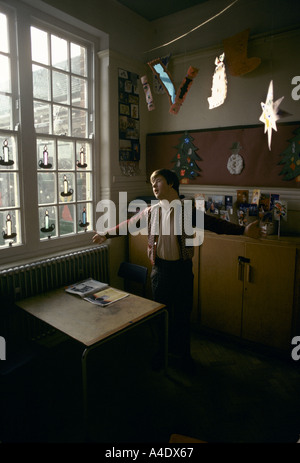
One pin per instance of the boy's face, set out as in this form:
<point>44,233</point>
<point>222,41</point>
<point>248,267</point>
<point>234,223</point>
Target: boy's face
<point>160,187</point>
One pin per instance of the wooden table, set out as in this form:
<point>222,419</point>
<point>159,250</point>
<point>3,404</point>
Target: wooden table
<point>90,324</point>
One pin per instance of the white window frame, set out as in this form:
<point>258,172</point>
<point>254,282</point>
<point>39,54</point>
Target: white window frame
<point>26,16</point>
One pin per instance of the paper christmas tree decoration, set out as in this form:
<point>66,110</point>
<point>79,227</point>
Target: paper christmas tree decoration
<point>270,113</point>
<point>186,166</point>
<point>183,89</point>
<point>235,49</point>
<point>291,158</point>
<point>162,73</point>
<point>148,93</point>
<point>219,84</point>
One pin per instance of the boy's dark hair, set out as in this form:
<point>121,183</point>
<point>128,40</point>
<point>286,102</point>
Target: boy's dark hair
<point>170,177</point>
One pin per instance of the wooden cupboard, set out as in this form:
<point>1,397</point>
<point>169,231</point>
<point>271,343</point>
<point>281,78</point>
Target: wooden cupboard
<point>247,288</point>
<point>243,287</point>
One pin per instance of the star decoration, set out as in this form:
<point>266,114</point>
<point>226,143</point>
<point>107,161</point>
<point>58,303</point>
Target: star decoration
<point>270,113</point>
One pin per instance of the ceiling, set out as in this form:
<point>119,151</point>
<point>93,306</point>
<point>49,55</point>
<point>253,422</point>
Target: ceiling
<point>155,9</point>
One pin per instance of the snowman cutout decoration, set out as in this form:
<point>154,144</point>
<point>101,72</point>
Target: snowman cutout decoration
<point>235,162</point>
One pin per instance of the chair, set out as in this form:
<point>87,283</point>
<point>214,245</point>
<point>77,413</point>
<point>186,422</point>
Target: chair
<point>133,273</point>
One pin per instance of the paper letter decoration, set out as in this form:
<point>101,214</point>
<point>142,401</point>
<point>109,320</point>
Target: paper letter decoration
<point>158,88</point>
<point>235,49</point>
<point>219,84</point>
<point>148,94</point>
<point>164,77</point>
<point>270,112</point>
<point>183,89</point>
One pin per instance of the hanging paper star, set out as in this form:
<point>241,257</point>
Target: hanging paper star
<point>270,113</point>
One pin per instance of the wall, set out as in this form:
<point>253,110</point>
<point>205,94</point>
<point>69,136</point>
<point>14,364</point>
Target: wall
<point>244,93</point>
<point>242,105</point>
<point>129,37</point>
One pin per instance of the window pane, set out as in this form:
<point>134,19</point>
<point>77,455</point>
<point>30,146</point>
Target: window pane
<point>66,219</point>
<point>84,214</point>
<point>46,188</point>
<point>61,110</point>
<point>84,186</point>
<point>9,157</point>
<point>66,187</point>
<point>41,82</point>
<point>79,92</point>
<point>42,117</point>
<point>3,33</point>
<point>78,60</point>
<point>60,120</point>
<point>13,228</point>
<point>5,74</point>
<point>9,189</point>
<point>84,155</point>
<point>48,221</point>
<point>39,46</point>
<point>59,53</point>
<point>61,90</point>
<point>6,112</point>
<point>79,123</point>
<point>65,155</point>
<point>46,158</point>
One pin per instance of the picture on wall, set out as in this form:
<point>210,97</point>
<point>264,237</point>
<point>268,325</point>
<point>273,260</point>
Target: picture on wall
<point>129,125</point>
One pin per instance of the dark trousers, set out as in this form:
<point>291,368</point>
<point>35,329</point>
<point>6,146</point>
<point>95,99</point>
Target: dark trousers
<point>172,285</point>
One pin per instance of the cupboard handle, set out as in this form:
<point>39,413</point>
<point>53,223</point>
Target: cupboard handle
<point>240,271</point>
<point>244,260</point>
<point>248,273</point>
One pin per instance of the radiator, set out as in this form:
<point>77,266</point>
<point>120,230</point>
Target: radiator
<point>44,275</point>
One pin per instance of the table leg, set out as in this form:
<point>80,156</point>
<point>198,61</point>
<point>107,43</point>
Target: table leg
<point>84,391</point>
<point>166,346</point>
<point>88,349</point>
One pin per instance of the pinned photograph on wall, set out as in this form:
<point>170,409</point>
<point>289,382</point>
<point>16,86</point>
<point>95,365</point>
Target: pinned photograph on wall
<point>242,196</point>
<point>255,196</point>
<point>148,93</point>
<point>219,84</point>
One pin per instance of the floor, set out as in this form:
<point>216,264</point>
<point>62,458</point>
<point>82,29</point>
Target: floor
<point>236,395</point>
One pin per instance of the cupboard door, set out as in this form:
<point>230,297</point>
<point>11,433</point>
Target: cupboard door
<point>221,286</point>
<point>268,294</point>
